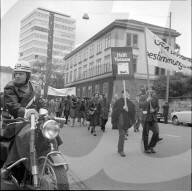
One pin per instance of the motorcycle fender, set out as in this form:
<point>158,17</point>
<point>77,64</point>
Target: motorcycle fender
<point>57,159</point>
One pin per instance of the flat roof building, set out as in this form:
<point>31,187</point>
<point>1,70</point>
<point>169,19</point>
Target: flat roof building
<point>89,66</point>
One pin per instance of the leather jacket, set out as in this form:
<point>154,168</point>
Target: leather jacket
<point>19,97</point>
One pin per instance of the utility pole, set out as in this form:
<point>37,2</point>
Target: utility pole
<point>168,71</point>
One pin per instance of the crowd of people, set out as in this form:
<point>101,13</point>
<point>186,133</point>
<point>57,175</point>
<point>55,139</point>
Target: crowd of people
<point>92,111</point>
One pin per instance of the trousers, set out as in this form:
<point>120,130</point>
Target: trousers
<point>153,126</point>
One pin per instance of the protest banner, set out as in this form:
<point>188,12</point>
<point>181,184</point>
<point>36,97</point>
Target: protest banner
<point>61,92</point>
<point>162,55</point>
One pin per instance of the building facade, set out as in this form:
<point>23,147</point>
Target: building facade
<point>89,66</point>
<point>46,36</point>
<point>6,75</point>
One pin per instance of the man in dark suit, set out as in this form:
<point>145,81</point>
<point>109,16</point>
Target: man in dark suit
<point>124,117</point>
<point>150,105</point>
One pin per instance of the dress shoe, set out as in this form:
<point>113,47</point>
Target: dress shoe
<point>94,133</point>
<point>122,153</point>
<point>160,139</point>
<point>148,151</point>
<point>125,138</point>
<point>152,150</point>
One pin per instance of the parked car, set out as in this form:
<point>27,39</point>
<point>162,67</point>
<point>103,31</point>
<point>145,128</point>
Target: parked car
<point>182,116</point>
<point>159,116</point>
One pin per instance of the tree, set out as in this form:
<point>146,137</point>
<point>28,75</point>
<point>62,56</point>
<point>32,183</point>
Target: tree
<point>179,85</point>
<point>46,73</point>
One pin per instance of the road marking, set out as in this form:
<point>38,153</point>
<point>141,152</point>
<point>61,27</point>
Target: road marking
<point>171,135</point>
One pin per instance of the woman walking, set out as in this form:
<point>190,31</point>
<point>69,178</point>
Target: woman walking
<point>94,112</point>
<point>73,110</point>
<point>67,108</point>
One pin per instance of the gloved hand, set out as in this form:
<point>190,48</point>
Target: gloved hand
<point>28,113</point>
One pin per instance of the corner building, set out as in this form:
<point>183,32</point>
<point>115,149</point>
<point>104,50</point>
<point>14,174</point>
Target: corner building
<point>89,66</point>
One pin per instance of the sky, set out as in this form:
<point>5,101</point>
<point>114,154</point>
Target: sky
<point>101,14</point>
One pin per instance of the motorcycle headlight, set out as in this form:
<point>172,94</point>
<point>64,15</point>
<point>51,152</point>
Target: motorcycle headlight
<point>50,129</point>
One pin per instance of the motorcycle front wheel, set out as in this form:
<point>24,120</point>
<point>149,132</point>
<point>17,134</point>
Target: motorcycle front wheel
<point>53,177</point>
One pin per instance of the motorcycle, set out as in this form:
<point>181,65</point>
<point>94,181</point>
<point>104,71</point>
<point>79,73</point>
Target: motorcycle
<point>45,168</point>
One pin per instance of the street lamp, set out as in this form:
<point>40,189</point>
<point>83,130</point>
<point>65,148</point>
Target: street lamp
<point>86,16</point>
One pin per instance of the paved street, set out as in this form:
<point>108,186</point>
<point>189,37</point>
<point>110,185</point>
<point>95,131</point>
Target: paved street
<point>95,161</point>
<point>95,164</point>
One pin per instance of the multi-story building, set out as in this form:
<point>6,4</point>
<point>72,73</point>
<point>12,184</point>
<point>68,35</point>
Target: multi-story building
<point>46,36</point>
<point>89,66</point>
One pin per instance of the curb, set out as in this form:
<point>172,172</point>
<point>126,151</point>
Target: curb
<point>75,183</point>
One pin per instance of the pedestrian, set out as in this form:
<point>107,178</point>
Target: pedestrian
<point>114,125</point>
<point>138,114</point>
<point>82,112</point>
<point>88,116</point>
<point>73,109</point>
<point>124,118</point>
<point>94,112</point>
<point>78,108</point>
<point>150,105</point>
<point>104,111</point>
<point>58,107</point>
<point>62,106</point>
<point>52,108</point>
<point>165,112</point>
<point>67,108</point>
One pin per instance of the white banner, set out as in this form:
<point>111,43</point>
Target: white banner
<point>61,92</point>
<point>162,55</point>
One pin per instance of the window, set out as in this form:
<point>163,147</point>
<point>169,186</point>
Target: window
<point>84,92</point>
<point>67,65</point>
<point>97,88</point>
<point>134,65</point>
<point>78,92</point>
<point>75,75</point>
<point>92,50</point>
<point>71,62</point>
<point>165,40</point>
<point>162,71</point>
<point>89,91</point>
<point>75,60</point>
<point>66,78</point>
<point>106,88</point>
<point>79,73</point>
<point>107,64</point>
<point>156,71</point>
<point>85,72</point>
<point>71,76</point>
<point>98,67</point>
<point>108,41</point>
<point>91,69</point>
<point>85,54</point>
<point>132,40</point>
<point>80,57</point>
<point>99,46</point>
